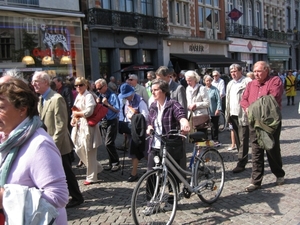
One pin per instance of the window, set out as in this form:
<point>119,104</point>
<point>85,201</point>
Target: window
<point>208,14</point>
<point>126,5</point>
<point>250,18</point>
<point>125,56</point>
<point>6,47</point>
<point>275,23</point>
<point>103,56</point>
<point>241,9</point>
<point>105,4</point>
<point>200,15</point>
<point>147,58</point>
<point>297,19</point>
<point>257,15</point>
<point>30,26</point>
<point>288,17</point>
<point>147,7</point>
<point>178,12</point>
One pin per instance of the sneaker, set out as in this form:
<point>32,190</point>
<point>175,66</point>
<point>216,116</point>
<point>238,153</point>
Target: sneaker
<point>217,144</point>
<point>252,187</point>
<point>280,180</point>
<point>115,168</point>
<point>107,167</point>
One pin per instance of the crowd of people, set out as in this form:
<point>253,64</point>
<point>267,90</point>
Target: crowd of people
<point>50,123</point>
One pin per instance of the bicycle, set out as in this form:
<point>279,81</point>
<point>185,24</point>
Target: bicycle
<point>154,199</point>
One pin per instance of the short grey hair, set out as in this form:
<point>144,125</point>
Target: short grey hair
<point>15,73</point>
<point>207,77</point>
<point>192,74</point>
<point>101,81</point>
<point>43,75</point>
<point>236,66</point>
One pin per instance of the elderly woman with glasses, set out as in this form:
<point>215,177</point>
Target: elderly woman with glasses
<point>86,138</point>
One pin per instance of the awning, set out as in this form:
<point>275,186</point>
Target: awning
<point>206,61</point>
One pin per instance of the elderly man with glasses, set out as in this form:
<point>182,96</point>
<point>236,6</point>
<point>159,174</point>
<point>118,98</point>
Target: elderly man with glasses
<point>111,101</point>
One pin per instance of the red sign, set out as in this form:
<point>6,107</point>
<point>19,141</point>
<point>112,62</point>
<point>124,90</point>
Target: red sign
<point>57,53</point>
<point>235,14</point>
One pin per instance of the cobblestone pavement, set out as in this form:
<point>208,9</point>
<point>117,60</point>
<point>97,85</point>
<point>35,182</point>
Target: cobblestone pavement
<point>108,202</point>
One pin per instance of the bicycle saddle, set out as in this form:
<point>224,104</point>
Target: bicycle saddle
<point>198,136</point>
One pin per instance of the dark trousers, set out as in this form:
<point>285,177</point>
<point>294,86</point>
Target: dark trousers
<point>241,135</point>
<point>111,135</point>
<point>273,155</point>
<point>215,128</point>
<point>72,183</point>
<point>289,99</point>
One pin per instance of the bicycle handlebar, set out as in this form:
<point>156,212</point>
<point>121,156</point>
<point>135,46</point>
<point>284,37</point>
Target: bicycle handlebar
<point>170,133</point>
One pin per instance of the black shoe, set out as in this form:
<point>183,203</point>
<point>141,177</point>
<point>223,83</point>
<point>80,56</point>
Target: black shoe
<point>238,169</point>
<point>132,178</point>
<point>72,203</point>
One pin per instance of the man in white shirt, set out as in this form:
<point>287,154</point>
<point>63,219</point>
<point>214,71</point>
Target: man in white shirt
<point>236,116</point>
<point>220,85</point>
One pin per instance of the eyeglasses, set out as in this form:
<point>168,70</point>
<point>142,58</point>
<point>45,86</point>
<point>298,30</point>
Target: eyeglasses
<point>130,79</point>
<point>78,85</point>
<point>99,89</point>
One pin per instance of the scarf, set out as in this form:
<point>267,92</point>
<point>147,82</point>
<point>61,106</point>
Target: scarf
<point>11,146</point>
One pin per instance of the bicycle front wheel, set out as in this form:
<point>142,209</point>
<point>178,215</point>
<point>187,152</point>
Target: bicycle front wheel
<point>153,202</point>
<point>209,176</point>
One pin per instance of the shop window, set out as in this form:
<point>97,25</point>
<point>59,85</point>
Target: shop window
<point>147,7</point>
<point>6,47</point>
<point>24,2</point>
<point>103,63</point>
<point>147,57</point>
<point>125,56</point>
<point>103,56</point>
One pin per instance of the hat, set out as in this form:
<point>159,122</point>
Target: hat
<point>133,77</point>
<point>126,90</point>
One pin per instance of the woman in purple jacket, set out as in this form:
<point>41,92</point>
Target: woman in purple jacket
<point>28,155</point>
<point>165,114</point>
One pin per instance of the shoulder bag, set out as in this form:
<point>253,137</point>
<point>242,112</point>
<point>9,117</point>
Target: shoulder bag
<point>99,113</point>
<point>200,121</point>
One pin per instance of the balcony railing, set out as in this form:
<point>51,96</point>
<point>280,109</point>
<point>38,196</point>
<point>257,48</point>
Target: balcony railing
<point>235,29</point>
<point>119,19</point>
<point>20,2</point>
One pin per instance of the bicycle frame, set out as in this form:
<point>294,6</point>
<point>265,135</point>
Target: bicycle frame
<point>168,163</point>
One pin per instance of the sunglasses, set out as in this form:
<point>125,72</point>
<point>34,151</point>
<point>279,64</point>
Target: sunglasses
<point>78,85</point>
<point>99,89</point>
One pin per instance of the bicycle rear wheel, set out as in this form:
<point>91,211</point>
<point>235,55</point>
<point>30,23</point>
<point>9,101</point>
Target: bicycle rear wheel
<point>209,176</point>
<point>222,122</point>
<point>152,202</point>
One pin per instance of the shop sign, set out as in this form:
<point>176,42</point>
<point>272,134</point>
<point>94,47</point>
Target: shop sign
<point>247,46</point>
<point>57,53</point>
<point>130,40</point>
<point>203,65</point>
<point>196,48</point>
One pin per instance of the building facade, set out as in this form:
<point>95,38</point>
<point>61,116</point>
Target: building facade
<point>124,33</point>
<point>41,35</point>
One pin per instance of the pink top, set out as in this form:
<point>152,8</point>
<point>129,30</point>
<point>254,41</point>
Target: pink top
<point>38,164</point>
<point>254,90</point>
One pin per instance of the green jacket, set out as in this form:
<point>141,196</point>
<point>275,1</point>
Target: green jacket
<point>264,116</point>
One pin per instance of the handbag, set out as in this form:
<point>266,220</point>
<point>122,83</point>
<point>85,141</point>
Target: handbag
<point>99,113</point>
<point>175,147</point>
<point>201,121</point>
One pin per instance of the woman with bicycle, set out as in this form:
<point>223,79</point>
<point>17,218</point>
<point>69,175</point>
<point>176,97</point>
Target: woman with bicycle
<point>165,114</point>
<point>214,108</point>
